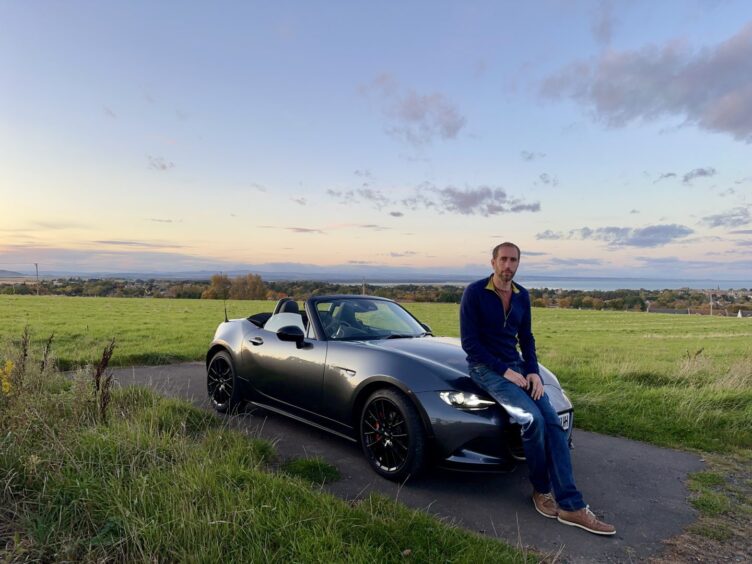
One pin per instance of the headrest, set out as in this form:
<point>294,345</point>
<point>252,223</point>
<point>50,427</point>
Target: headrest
<point>289,307</point>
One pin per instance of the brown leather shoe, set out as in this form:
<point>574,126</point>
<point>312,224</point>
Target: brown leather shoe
<point>585,519</point>
<point>545,505</point>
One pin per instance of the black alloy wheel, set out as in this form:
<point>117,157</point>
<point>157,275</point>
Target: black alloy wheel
<point>224,393</point>
<point>392,435</point>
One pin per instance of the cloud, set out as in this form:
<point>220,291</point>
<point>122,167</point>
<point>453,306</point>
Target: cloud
<point>548,179</point>
<point>735,217</point>
<point>743,180</point>
<point>140,244</point>
<point>741,232</point>
<point>108,112</point>
<point>713,268</point>
<point>481,200</point>
<point>348,197</point>
<point>294,229</point>
<point>416,118</point>
<point>634,211</point>
<point>125,259</point>
<point>304,230</point>
<point>159,163</point>
<point>359,262</point>
<point>533,253</point>
<point>710,88</point>
<point>158,220</point>
<point>60,225</point>
<point>373,226</point>
<point>574,261</point>
<point>673,262</point>
<point>698,173</point>
<point>403,254</point>
<point>365,173</point>
<point>549,235</point>
<point>603,23</point>
<point>531,155</point>
<point>258,187</point>
<point>650,236</point>
<point>301,201</point>
<point>664,176</point>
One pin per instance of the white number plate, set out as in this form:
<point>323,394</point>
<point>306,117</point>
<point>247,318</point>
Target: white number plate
<point>564,418</point>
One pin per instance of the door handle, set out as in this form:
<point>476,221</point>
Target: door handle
<point>256,341</point>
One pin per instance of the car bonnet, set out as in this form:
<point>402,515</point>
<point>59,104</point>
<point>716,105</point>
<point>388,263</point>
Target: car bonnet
<point>446,351</point>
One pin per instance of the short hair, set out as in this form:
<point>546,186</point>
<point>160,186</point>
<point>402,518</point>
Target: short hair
<point>505,244</point>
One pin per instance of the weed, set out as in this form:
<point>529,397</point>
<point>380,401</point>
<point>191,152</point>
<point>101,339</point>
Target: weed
<point>711,503</point>
<point>103,381</point>
<point>714,531</point>
<point>47,352</point>
<point>707,479</point>
<point>737,379</point>
<point>313,470</point>
<point>174,416</point>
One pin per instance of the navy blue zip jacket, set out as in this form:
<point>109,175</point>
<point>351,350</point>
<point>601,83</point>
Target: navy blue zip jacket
<point>489,336</point>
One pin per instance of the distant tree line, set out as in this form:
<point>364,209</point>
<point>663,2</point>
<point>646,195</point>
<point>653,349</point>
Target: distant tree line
<point>252,287</point>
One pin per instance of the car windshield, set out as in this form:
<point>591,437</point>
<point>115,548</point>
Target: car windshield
<point>363,319</point>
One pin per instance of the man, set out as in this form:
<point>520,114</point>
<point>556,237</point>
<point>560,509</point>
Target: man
<point>495,317</point>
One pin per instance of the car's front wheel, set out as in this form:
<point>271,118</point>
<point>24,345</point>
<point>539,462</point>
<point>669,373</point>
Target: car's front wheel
<point>392,435</point>
<point>222,384</point>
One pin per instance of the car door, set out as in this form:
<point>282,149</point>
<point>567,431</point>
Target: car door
<point>283,374</point>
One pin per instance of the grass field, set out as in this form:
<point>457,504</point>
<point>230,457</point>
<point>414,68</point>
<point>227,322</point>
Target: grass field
<point>682,381</point>
<point>78,489</point>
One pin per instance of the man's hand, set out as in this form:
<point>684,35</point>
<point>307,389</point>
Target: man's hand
<point>516,378</point>
<point>535,384</point>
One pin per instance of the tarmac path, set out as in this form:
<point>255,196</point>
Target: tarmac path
<point>638,487</point>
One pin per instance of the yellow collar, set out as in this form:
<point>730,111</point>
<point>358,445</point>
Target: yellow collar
<point>490,286</point>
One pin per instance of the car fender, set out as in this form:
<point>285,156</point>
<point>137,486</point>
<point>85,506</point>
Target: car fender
<point>229,336</point>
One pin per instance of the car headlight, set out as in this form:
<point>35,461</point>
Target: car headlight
<point>461,400</point>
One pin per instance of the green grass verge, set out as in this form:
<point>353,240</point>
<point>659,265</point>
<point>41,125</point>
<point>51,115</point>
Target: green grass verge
<point>314,470</point>
<point>162,480</point>
<point>636,375</point>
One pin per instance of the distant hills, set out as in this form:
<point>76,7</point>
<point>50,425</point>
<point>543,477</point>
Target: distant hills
<point>11,274</point>
<point>382,274</point>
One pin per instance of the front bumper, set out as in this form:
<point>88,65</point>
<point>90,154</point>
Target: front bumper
<point>482,439</point>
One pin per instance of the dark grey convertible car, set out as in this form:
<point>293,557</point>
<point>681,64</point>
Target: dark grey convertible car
<point>364,368</point>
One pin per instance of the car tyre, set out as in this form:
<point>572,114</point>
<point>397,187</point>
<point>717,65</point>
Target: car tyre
<point>392,435</point>
<point>222,384</point>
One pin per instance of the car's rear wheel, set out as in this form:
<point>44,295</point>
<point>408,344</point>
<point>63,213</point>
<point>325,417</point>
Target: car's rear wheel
<point>392,435</point>
<point>222,383</point>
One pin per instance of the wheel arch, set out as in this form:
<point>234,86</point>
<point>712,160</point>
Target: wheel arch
<point>214,349</point>
<point>385,382</point>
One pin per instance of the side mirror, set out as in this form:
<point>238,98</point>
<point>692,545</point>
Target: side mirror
<point>291,333</point>
<point>427,328</point>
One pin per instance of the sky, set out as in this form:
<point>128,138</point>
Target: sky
<point>604,138</point>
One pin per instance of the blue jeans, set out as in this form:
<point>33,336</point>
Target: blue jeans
<point>543,437</point>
